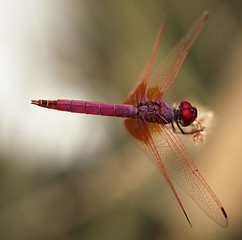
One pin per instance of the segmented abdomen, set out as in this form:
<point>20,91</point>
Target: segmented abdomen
<point>96,108</point>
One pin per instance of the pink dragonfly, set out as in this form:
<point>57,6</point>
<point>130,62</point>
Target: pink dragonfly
<point>150,121</point>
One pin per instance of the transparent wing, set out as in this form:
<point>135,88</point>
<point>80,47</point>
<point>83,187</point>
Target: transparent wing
<point>181,167</point>
<point>174,161</point>
<point>139,92</point>
<point>140,131</point>
<point>166,73</point>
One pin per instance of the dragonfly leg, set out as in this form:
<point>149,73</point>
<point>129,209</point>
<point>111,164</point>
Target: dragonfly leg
<point>173,128</point>
<point>191,132</point>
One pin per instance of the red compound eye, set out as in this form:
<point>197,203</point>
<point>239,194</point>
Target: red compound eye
<point>188,115</point>
<point>185,104</point>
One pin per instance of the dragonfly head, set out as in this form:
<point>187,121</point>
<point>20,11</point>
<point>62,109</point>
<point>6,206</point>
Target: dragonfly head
<point>187,113</point>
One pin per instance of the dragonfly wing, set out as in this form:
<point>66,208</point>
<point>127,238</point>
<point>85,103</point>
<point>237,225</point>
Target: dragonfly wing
<point>181,167</point>
<point>141,131</point>
<point>174,161</point>
<point>139,91</point>
<point>165,74</point>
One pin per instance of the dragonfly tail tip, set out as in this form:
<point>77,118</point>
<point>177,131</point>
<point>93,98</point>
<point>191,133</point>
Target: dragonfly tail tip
<point>36,102</point>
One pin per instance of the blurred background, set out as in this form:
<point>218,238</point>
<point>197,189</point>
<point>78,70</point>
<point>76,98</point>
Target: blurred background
<point>72,176</point>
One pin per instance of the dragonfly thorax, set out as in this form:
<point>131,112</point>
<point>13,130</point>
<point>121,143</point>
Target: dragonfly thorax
<point>155,111</point>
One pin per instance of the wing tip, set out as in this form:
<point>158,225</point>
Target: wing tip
<point>224,213</point>
<point>188,219</point>
<point>226,217</point>
<point>206,15</point>
<point>225,223</point>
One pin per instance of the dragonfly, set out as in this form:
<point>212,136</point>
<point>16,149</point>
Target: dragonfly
<point>150,121</point>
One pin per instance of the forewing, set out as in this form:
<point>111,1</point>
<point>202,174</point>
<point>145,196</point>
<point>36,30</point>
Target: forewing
<point>165,74</point>
<point>139,92</point>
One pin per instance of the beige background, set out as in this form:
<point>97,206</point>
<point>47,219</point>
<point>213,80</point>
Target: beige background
<point>70,176</point>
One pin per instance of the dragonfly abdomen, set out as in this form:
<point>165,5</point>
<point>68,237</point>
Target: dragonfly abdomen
<point>95,108</point>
